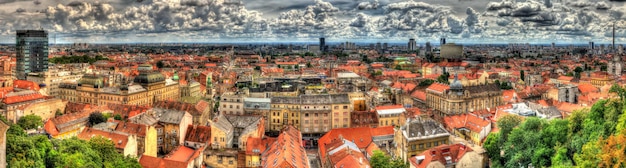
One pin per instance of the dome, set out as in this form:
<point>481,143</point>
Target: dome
<point>175,77</point>
<point>456,85</point>
<point>148,78</point>
<point>94,80</point>
<point>145,67</point>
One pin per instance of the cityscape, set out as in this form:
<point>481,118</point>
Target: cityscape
<point>312,83</point>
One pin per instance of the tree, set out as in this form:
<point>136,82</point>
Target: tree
<point>620,91</point>
<point>308,65</point>
<point>577,71</point>
<point>443,78</point>
<point>398,67</point>
<point>506,125</point>
<point>296,66</point>
<point>522,75</point>
<point>58,113</point>
<point>96,118</point>
<point>117,117</point>
<point>426,82</point>
<point>380,160</point>
<point>160,64</point>
<point>30,122</point>
<point>258,68</point>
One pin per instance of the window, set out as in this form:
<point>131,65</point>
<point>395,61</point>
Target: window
<point>306,121</point>
<point>306,114</point>
<point>325,114</point>
<point>413,147</point>
<point>421,146</point>
<point>428,145</point>
<point>325,121</point>
<point>345,107</point>
<point>436,143</point>
<point>336,107</point>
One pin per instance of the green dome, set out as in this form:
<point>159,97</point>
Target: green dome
<point>148,78</point>
<point>91,79</point>
<point>175,77</point>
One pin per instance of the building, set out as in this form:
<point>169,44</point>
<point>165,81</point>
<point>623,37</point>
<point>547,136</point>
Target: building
<point>287,151</point>
<point>469,127</point>
<point>344,153</point>
<point>232,131</point>
<point>200,111</point>
<point>45,109</point>
<point>147,88</point>
<point>231,103</point>
<point>51,80</point>
<point>568,93</point>
<point>181,157</point>
<point>198,136</point>
<point>145,135</point>
<point>412,45</point>
<point>31,52</point>
<point>255,148</point>
<point>615,66</point>
<point>323,45</point>
<point>458,99</point>
<point>390,115</point>
<point>258,106</point>
<point>451,51</point>
<point>418,135</point>
<point>174,126</point>
<point>19,100</point>
<point>4,127</point>
<point>190,88</point>
<point>68,125</point>
<point>457,155</point>
<point>364,138</point>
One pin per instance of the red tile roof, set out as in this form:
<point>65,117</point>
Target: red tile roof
<point>419,94</point>
<point>587,88</point>
<point>389,107</point>
<point>260,144</point>
<point>27,85</point>
<point>201,134</point>
<point>438,87</point>
<point>52,124</point>
<point>438,154</point>
<point>469,121</point>
<point>287,151</point>
<point>22,98</point>
<point>180,157</point>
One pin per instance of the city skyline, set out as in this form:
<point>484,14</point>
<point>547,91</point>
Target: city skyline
<point>215,21</point>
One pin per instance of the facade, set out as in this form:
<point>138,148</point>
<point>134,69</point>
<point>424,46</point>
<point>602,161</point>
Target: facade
<point>45,109</point>
<point>469,127</point>
<point>232,131</point>
<point>31,52</point>
<point>313,114</point>
<point>231,103</point>
<point>67,126</point>
<point>190,89</point>
<point>174,124</point>
<point>258,106</point>
<point>458,99</point>
<point>19,100</point>
<point>412,45</point>
<point>457,155</point>
<point>344,153</point>
<point>124,144</point>
<point>147,88</point>
<point>614,67</point>
<point>4,127</point>
<point>52,80</point>
<point>390,115</point>
<point>417,135</point>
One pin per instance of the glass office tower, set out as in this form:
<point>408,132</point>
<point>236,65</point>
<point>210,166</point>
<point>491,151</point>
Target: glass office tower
<point>31,52</point>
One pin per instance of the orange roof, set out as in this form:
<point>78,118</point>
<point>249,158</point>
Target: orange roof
<point>286,151</point>
<point>198,133</point>
<point>389,107</point>
<point>180,157</point>
<point>22,98</point>
<point>286,63</point>
<point>181,154</point>
<point>587,88</point>
<point>469,121</point>
<point>565,78</point>
<point>419,94</point>
<point>508,95</point>
<point>381,131</point>
<point>24,84</point>
<point>260,144</point>
<point>439,154</point>
<point>438,87</point>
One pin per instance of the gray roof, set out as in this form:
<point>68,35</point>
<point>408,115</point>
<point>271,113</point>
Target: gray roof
<point>482,88</point>
<point>222,123</point>
<point>170,116</point>
<point>424,128</point>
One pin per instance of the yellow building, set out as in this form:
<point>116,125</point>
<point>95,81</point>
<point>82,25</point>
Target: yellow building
<point>458,99</point>
<point>390,115</point>
<point>68,125</point>
<point>147,88</point>
<point>417,135</point>
<point>226,158</point>
<point>284,111</point>
<point>341,110</point>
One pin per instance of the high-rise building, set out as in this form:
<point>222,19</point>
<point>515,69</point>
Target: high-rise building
<point>553,45</point>
<point>592,45</point>
<point>429,48</point>
<point>323,44</point>
<point>31,52</point>
<point>385,45</point>
<point>442,41</point>
<point>412,45</point>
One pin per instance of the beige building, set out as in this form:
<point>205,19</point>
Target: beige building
<point>147,88</point>
<point>51,80</point>
<point>231,103</point>
<point>45,109</point>
<point>417,135</point>
<point>390,115</point>
<point>458,99</point>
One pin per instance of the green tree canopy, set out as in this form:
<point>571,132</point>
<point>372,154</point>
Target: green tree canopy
<point>30,122</point>
<point>96,118</point>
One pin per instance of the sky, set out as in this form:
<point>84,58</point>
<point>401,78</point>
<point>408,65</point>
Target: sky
<point>214,21</point>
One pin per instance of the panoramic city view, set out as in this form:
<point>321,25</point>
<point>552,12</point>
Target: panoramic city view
<point>312,83</point>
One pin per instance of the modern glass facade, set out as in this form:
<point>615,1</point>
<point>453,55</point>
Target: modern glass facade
<point>32,52</point>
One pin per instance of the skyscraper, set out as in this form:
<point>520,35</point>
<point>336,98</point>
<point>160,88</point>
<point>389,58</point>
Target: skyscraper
<point>323,44</point>
<point>31,52</point>
<point>412,45</point>
<point>442,41</point>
